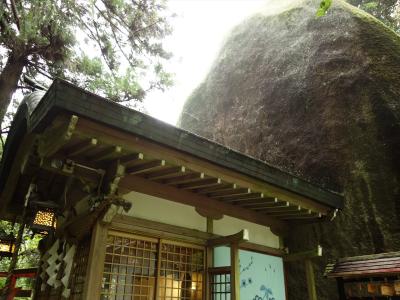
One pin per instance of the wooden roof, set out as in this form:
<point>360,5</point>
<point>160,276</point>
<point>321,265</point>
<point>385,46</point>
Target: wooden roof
<point>375,265</point>
<point>82,130</point>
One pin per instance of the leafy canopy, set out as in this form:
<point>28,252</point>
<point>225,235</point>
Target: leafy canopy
<point>385,10</point>
<point>112,47</point>
<point>388,11</point>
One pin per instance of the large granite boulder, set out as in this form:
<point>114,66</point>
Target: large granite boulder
<point>318,97</point>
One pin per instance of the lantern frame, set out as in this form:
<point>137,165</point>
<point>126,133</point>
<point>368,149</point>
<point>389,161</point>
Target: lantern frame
<point>7,244</point>
<point>45,211</point>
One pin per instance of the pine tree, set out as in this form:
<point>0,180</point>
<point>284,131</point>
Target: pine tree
<point>111,47</point>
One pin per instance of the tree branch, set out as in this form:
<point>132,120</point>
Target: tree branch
<point>41,70</point>
<point>14,11</point>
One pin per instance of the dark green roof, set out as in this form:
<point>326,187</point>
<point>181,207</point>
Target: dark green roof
<point>64,96</point>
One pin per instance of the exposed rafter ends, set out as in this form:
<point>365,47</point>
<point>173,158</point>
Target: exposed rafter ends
<point>266,205</point>
<point>141,185</point>
<point>200,183</point>
<point>107,154</point>
<point>246,198</point>
<point>56,136</point>
<point>218,188</point>
<point>184,178</point>
<point>128,159</point>
<point>81,147</point>
<point>294,213</point>
<point>167,173</point>
<point>224,194</point>
<point>145,167</point>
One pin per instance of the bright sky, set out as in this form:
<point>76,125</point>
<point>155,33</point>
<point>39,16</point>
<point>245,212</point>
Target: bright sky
<point>199,30</point>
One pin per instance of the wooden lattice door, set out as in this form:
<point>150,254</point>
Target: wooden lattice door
<point>143,268</point>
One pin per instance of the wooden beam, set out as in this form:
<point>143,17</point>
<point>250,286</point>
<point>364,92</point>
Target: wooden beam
<point>170,172</point>
<point>91,176</point>
<point>265,204</point>
<point>210,225</point>
<point>184,178</point>
<point>281,207</point>
<point>221,187</point>
<point>167,231</point>
<point>290,214</point>
<point>262,249</point>
<point>130,158</point>
<point>81,147</point>
<point>52,139</point>
<point>112,178</point>
<point>94,271</point>
<point>107,154</point>
<point>159,230</point>
<point>145,186</point>
<point>300,256</point>
<point>200,183</point>
<point>246,198</point>
<point>209,214</point>
<point>263,207</point>
<point>225,194</point>
<point>145,167</point>
<point>304,217</point>
<point>175,157</point>
<point>237,238</point>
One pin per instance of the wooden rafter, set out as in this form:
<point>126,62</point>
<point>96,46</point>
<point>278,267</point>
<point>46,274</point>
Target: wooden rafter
<point>142,185</point>
<point>89,128</point>
<point>167,173</point>
<point>237,238</point>
<point>81,147</point>
<point>290,214</point>
<point>184,178</point>
<point>200,183</point>
<point>246,198</point>
<point>225,194</point>
<point>107,154</point>
<point>131,158</point>
<point>275,206</point>
<point>256,203</point>
<point>266,205</point>
<point>218,188</point>
<point>305,217</point>
<point>144,167</point>
<point>57,135</point>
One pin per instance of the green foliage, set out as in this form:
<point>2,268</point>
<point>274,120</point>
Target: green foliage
<point>28,254</point>
<point>323,8</point>
<point>386,11</point>
<point>107,46</point>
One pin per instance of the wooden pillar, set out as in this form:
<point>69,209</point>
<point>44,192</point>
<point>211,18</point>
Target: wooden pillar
<point>209,260</point>
<point>94,271</point>
<point>341,292</point>
<point>235,272</point>
<point>312,291</point>
<point>210,225</point>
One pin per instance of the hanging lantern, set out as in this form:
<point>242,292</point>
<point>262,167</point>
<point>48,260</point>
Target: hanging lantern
<point>7,244</point>
<point>44,219</point>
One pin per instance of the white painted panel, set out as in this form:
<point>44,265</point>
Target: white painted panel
<point>259,234</point>
<point>169,212</point>
<point>164,211</point>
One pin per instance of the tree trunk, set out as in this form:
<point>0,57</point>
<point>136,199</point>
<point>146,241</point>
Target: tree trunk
<point>9,80</point>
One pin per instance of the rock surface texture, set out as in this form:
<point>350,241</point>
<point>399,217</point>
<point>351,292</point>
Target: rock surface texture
<point>319,98</point>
